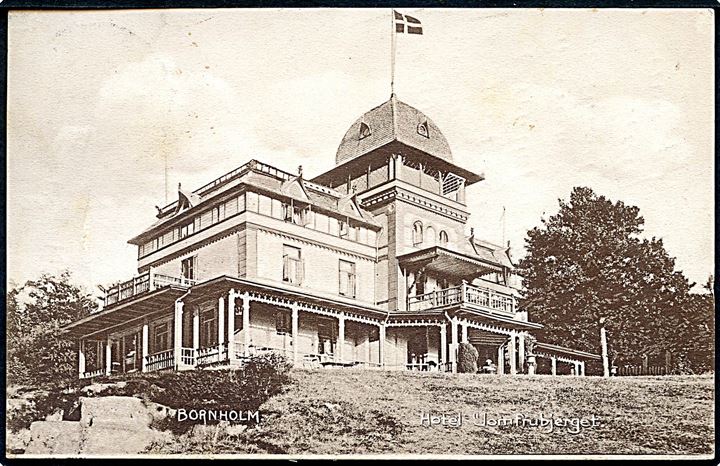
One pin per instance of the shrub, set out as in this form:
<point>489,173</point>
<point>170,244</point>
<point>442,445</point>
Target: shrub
<point>467,358</point>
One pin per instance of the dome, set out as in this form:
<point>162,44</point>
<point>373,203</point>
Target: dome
<point>393,121</point>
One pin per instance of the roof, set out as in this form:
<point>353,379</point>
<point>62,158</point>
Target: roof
<point>262,177</point>
<point>565,351</point>
<point>393,121</point>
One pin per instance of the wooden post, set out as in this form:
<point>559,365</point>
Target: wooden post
<point>341,337</point>
<point>295,331</point>
<point>108,357</point>
<point>145,345</point>
<point>381,344</point>
<point>582,368</point>
<point>553,365</point>
<point>512,353</point>
<point>521,352</point>
<point>443,345</point>
<point>501,359</point>
<point>464,332</point>
<point>177,333</point>
<point>453,343</point>
<point>603,344</point>
<point>246,323</point>
<point>221,322</point>
<point>645,363</point>
<point>196,330</point>
<point>231,324</point>
<point>81,357</point>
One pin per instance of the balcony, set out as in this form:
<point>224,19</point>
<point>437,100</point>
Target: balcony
<point>470,296</point>
<point>143,283</point>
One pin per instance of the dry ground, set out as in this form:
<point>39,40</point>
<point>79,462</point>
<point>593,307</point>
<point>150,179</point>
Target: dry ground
<point>376,412</point>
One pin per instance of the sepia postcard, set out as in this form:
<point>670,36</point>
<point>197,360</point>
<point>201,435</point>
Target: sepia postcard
<point>360,233</point>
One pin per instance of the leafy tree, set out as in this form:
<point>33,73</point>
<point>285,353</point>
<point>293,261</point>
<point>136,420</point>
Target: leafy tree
<point>37,352</point>
<point>588,261</point>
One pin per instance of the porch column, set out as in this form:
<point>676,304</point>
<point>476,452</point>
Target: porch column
<point>246,323</point>
<point>145,342</point>
<point>576,365</point>
<point>221,322</point>
<point>443,345</point>
<point>512,353</point>
<point>108,356</point>
<point>381,345</point>
<point>464,334</point>
<point>196,329</point>
<point>177,333</point>
<point>81,357</point>
<point>501,360</point>
<point>553,365</point>
<point>582,368</point>
<point>231,324</point>
<point>521,352</point>
<point>295,331</point>
<point>453,343</point>
<point>341,336</point>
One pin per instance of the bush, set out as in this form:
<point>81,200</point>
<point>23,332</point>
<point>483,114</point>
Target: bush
<point>467,358</point>
<point>243,389</point>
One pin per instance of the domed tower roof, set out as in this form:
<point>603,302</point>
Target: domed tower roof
<point>393,121</point>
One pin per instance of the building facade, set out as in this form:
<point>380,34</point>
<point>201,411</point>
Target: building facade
<point>367,265</point>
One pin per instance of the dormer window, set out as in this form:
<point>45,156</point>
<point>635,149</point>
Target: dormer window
<point>423,129</point>
<point>364,131</point>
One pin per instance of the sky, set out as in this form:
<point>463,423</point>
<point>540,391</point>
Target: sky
<point>100,103</point>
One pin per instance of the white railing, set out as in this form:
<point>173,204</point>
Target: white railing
<point>91,374</point>
<point>141,284</point>
<point>187,356</point>
<point>211,355</point>
<point>161,360</point>
<point>464,294</point>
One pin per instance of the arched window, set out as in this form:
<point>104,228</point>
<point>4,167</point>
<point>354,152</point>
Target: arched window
<point>443,237</point>
<point>430,236</point>
<point>417,233</point>
<point>364,131</point>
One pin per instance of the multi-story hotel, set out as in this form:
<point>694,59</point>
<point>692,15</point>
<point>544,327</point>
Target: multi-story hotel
<point>367,264</point>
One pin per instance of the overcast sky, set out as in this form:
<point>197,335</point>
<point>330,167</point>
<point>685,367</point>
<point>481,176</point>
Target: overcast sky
<point>538,100</point>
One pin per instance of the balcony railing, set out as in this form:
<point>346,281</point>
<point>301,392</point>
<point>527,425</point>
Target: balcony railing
<point>159,361</point>
<point>141,284</point>
<point>211,355</point>
<point>91,374</point>
<point>469,295</point>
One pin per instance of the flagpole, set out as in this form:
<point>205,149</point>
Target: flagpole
<point>392,51</point>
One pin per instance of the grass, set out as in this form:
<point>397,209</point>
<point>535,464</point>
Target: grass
<point>375,412</point>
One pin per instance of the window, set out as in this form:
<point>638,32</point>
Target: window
<point>417,233</point>
<point>364,131</point>
<point>188,268</point>
<point>283,323</point>
<point>327,338</point>
<point>344,228</point>
<point>209,329</point>
<point>347,279</point>
<point>295,214</point>
<point>443,237</point>
<point>292,265</point>
<point>161,340</point>
<point>423,130</point>
<point>186,230</point>
<point>430,236</point>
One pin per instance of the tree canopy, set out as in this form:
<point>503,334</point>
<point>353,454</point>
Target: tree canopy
<point>37,352</point>
<point>590,261</point>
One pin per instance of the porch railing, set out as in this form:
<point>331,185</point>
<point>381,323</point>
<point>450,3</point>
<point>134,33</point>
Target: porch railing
<point>471,295</point>
<point>93,373</point>
<point>187,356</point>
<point>211,355</point>
<point>143,283</point>
<point>161,360</point>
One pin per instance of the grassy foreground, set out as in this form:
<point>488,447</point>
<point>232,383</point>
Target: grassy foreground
<point>375,412</point>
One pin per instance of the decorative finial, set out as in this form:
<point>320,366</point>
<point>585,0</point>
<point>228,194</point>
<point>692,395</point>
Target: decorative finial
<point>179,186</point>
<point>300,170</point>
<point>472,231</point>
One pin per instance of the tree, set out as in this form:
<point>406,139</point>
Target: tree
<point>37,352</point>
<point>587,262</point>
